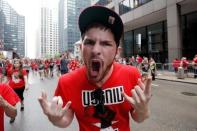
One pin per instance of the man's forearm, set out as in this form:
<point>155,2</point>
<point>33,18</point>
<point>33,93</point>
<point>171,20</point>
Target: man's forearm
<point>64,121</point>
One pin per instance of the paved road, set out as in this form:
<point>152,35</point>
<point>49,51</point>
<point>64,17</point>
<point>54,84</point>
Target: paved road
<point>33,119</point>
<point>170,109</point>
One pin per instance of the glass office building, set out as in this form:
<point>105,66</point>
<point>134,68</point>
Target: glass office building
<point>14,29</point>
<point>2,22</point>
<point>163,29</point>
<point>69,33</point>
<point>189,31</point>
<point>48,32</point>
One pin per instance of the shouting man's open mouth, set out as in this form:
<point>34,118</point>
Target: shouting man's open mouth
<point>95,68</point>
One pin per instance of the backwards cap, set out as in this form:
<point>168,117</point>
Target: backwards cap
<point>104,16</point>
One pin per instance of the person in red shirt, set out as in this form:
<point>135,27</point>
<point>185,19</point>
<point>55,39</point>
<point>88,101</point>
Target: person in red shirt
<point>73,65</point>
<point>46,68</point>
<point>19,80</point>
<point>58,66</point>
<point>8,100</point>
<point>184,63</point>
<point>102,93</point>
<point>9,67</point>
<point>176,64</point>
<point>194,63</point>
<point>139,61</point>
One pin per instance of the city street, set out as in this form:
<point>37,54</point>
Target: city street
<point>170,109</point>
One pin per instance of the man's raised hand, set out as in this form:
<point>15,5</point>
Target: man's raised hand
<point>140,98</point>
<point>53,109</point>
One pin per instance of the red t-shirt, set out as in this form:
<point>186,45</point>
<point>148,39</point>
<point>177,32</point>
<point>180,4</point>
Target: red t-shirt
<point>10,96</point>
<point>176,63</point>
<point>9,71</point>
<point>16,81</point>
<point>73,65</point>
<point>139,60</point>
<point>57,62</point>
<point>195,60</point>
<point>75,87</point>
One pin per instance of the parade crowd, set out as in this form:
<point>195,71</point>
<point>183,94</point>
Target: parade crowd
<point>14,72</point>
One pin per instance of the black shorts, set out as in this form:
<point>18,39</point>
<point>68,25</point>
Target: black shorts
<point>19,92</point>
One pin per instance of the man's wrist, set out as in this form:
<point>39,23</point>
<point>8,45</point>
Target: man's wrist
<point>144,113</point>
<point>6,105</point>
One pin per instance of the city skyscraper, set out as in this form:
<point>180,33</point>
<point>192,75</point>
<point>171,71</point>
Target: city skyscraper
<point>2,22</point>
<point>14,29</point>
<point>68,22</point>
<point>49,31</point>
<point>21,35</point>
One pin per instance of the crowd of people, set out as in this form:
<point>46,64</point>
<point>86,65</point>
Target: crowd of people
<point>146,66</point>
<point>186,65</point>
<point>14,75</point>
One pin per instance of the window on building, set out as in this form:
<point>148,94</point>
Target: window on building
<point>140,42</point>
<point>189,31</point>
<point>157,43</point>
<point>127,5</point>
<point>147,41</point>
<point>128,44</point>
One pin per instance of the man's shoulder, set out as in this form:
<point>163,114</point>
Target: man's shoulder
<point>74,75</point>
<point>125,68</point>
<point>3,87</point>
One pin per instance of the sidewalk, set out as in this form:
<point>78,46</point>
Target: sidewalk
<point>171,76</point>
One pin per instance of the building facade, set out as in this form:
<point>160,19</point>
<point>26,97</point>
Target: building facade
<point>21,36</point>
<point>163,29</point>
<point>69,33</point>
<point>48,32</point>
<point>14,29</point>
<point>2,23</point>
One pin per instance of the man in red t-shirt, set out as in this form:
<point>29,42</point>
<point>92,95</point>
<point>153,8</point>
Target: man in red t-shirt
<point>101,93</point>
<point>8,100</point>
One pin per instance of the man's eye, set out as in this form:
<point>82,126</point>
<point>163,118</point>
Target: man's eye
<point>88,42</point>
<point>106,44</point>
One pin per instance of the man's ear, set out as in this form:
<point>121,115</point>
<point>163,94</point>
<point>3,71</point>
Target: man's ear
<point>80,46</point>
<point>118,51</point>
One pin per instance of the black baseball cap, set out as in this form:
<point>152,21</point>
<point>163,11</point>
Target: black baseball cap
<point>104,16</point>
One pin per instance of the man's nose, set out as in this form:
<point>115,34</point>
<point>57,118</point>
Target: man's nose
<point>96,49</point>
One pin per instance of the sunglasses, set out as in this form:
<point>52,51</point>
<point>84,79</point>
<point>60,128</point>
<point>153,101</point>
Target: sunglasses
<point>102,112</point>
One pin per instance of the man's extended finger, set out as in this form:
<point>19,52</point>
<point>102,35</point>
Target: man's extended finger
<point>147,90</point>
<point>54,103</point>
<point>43,104</point>
<point>140,94</point>
<point>128,98</point>
<point>141,84</point>
<point>60,103</point>
<point>44,95</point>
<point>135,96</point>
<point>66,107</point>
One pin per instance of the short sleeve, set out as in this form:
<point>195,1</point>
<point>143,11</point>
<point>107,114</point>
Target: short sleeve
<point>24,72</point>
<point>9,95</point>
<point>60,91</point>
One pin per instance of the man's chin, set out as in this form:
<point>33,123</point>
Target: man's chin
<point>94,79</point>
